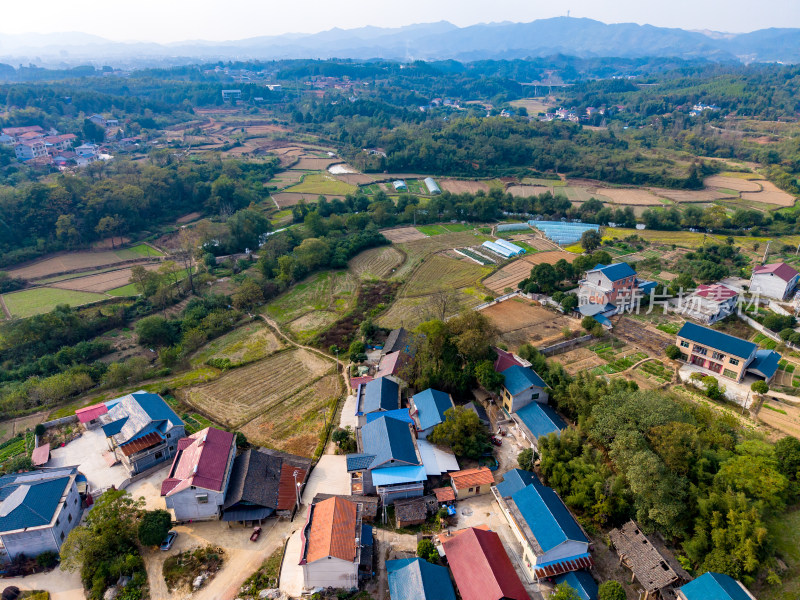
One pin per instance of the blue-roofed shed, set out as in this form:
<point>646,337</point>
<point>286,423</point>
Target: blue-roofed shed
<point>547,517</point>
<point>390,441</point>
<point>380,394</point>
<point>765,363</point>
<point>359,462</point>
<point>417,579</point>
<point>539,420</point>
<point>580,581</point>
<point>401,414</point>
<point>616,271</point>
<point>714,586</point>
<point>717,340</point>
<point>430,407</point>
<point>515,480</point>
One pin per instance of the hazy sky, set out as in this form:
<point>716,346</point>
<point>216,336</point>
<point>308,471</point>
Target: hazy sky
<point>175,20</point>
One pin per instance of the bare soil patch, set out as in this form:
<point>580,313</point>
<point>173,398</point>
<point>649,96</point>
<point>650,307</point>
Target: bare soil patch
<point>66,262</point>
<point>511,274</point>
<point>578,360</point>
<point>457,186</point>
<point>526,191</point>
<point>101,282</point>
<point>403,234</point>
<point>110,243</point>
<point>522,321</point>
<point>771,194</point>
<point>354,178</point>
<point>314,164</point>
<point>732,183</point>
<point>637,333</point>
<point>287,199</point>
<point>192,216</point>
<point>633,197</point>
<point>788,423</point>
<point>690,196</point>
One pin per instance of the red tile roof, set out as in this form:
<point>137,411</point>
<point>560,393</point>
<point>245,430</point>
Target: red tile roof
<point>472,477</point>
<point>18,130</point>
<point>481,567</point>
<point>142,443</point>
<point>444,494</point>
<point>717,292</point>
<point>201,461</point>
<point>356,381</point>
<point>287,492</point>
<point>780,269</point>
<point>91,412</point>
<point>40,455</point>
<point>505,360</point>
<point>390,364</point>
<point>333,530</point>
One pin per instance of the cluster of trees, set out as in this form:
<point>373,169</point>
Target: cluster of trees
<point>546,278</point>
<point>712,262</point>
<point>676,467</point>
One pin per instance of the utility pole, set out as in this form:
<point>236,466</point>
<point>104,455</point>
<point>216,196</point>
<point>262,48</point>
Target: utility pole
<point>766,251</point>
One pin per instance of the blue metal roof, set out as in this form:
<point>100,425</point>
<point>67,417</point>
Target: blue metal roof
<point>714,586</point>
<point>541,419</point>
<point>114,427</point>
<point>381,394</point>
<point>591,309</point>
<point>34,504</point>
<point>602,320</point>
<point>547,516</point>
<point>359,462</point>
<point>519,379</point>
<point>366,535</point>
<point>616,271</point>
<point>388,439</point>
<point>401,414</point>
<point>156,408</point>
<point>417,579</point>
<point>515,480</point>
<point>580,581</point>
<point>717,340</point>
<point>647,286</point>
<point>431,405</point>
<point>398,475</point>
<point>765,362</point>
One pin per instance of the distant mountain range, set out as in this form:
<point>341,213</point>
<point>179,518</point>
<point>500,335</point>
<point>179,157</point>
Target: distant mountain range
<point>429,41</point>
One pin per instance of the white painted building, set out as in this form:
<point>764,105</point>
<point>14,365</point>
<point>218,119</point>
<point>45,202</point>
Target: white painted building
<point>776,280</point>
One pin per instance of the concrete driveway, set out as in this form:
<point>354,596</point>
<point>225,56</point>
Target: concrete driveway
<point>291,571</point>
<point>349,413</point>
<point>86,453</point>
<point>62,585</point>
<point>150,488</point>
<point>328,477</point>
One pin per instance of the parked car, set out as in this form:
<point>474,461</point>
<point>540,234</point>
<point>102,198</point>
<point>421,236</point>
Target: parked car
<point>496,440</point>
<point>169,540</point>
<point>256,533</point>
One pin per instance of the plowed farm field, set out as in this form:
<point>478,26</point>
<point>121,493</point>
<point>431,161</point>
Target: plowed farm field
<point>633,197</point>
<point>770,194</point>
<point>259,389</point>
<point>510,275</point>
<point>403,234</point>
<point>732,183</point>
<point>100,283</point>
<point>376,263</point>
<point>440,272</point>
<point>457,186</point>
<point>521,321</point>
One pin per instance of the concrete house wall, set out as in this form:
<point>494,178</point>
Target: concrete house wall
<point>188,504</point>
<point>330,572</point>
<point>525,397</point>
<point>469,492</point>
<point>706,357</point>
<point>772,286</point>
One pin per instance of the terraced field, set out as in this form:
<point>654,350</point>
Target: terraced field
<point>376,263</point>
<point>439,272</point>
<point>248,343</point>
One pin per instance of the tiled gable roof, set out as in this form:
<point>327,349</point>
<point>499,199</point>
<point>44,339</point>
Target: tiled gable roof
<point>26,501</point>
<point>203,463</point>
<point>519,379</point>
<point>723,342</point>
<point>616,271</point>
<point>417,579</point>
<point>388,439</point>
<point>471,477</point>
<point>781,269</point>
<point>332,531</point>
<point>547,517</point>
<point>138,414</point>
<point>380,394</point>
<point>431,405</point>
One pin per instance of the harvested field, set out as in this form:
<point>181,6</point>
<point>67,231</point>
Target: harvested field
<point>526,191</point>
<point>457,186</point>
<point>521,321</point>
<point>248,343</point>
<point>732,183</point>
<point>403,234</point>
<point>240,395</point>
<point>771,194</point>
<point>690,196</point>
<point>633,197</point>
<point>634,332</point>
<point>308,163</point>
<point>441,273</point>
<point>295,424</point>
<point>102,282</point>
<point>285,178</point>
<point>265,129</point>
<point>284,199</point>
<point>418,250</point>
<point>354,178</point>
<point>40,300</point>
<point>578,360</point>
<point>511,274</point>
<point>550,257</point>
<point>71,261</point>
<point>192,216</point>
<point>772,413</point>
<point>376,263</point>
<point>110,243</point>
<point>410,312</point>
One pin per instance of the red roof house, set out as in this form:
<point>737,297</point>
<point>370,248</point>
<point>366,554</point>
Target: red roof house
<point>506,360</point>
<point>195,488</point>
<point>89,414</point>
<point>777,280</point>
<point>330,545</point>
<point>481,567</point>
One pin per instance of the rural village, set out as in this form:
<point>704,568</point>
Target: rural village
<point>322,377</point>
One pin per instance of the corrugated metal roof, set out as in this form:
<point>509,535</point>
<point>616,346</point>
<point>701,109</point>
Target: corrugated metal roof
<point>472,477</point>
<point>781,269</point>
<point>202,463</point>
<point>380,394</point>
<point>481,567</point>
<point>431,405</point>
<point>714,586</point>
<point>398,475</point>
<point>287,489</point>
<point>580,581</point>
<point>547,517</point>
<point>390,364</point>
<point>142,443</point>
<point>140,412</point>
<point>401,414</point>
<point>436,461</point>
<point>27,502</point>
<point>417,579</point>
<point>91,412</point>
<point>616,271</point>
<point>359,462</point>
<point>515,480</point>
<point>332,531</point>
<point>519,379</point>
<point>765,363</point>
<point>40,455</point>
<point>389,440</point>
<point>541,419</point>
<point>717,340</point>
<point>564,565</point>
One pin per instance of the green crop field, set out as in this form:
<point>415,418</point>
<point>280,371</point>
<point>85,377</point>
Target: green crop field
<point>322,183</point>
<point>125,290</point>
<point>138,251</point>
<point>41,300</point>
<point>432,229</point>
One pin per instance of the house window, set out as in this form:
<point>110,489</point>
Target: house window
<point>470,489</point>
<point>684,344</point>
<point>202,498</point>
<point>170,448</point>
<point>718,356</point>
<point>535,396</point>
<point>169,435</point>
<point>734,361</point>
<point>69,518</point>
<point>159,454</point>
<point>729,373</point>
<point>62,536</point>
<point>700,350</point>
<point>58,522</point>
